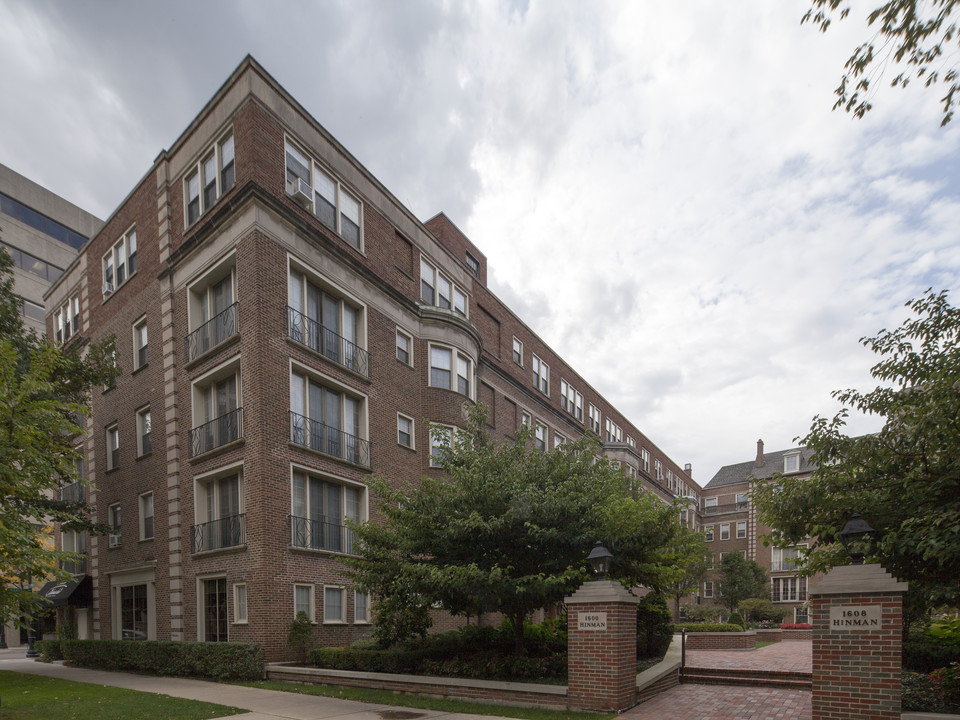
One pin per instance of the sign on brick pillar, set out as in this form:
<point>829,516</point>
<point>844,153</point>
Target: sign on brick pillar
<point>602,647</point>
<point>857,613</point>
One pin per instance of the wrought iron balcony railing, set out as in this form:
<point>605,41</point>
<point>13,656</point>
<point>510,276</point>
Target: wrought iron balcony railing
<point>226,532</point>
<point>783,566</point>
<point>321,535</point>
<point>327,342</point>
<point>73,493</point>
<point>217,432</point>
<point>75,567</point>
<point>213,332</point>
<point>330,441</point>
<point>720,509</point>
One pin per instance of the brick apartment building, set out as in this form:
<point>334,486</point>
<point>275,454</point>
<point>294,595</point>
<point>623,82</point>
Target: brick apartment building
<point>289,328</point>
<point>730,524</point>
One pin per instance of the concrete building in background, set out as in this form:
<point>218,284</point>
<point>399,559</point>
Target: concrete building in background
<point>730,524</point>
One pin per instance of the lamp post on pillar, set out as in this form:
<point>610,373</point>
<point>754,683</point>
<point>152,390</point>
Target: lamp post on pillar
<point>602,641</point>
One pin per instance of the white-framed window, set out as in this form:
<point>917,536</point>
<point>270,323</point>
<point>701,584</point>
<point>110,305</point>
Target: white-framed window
<point>303,600</point>
<point>540,436</point>
<point>120,262</point>
<point>328,418</point>
<point>614,432</point>
<point>113,447</point>
<point>66,320</point>
<point>451,369</point>
<point>571,400</point>
<point>212,175</point>
<point>658,469</point>
<point>334,605</point>
<point>541,375</point>
<point>239,603</point>
<point>361,608</point>
<point>322,193</point>
<point>405,433</point>
<point>217,411</point>
<point>404,347</point>
<point>219,510</point>
<point>725,531</point>
<point>645,459</point>
<point>708,589</point>
<point>441,441</point>
<point>116,527</point>
<point>140,348</point>
<point>742,529</point>
<point>708,533</point>
<point>558,440</point>
<point>438,290</point>
<point>713,561</point>
<point>518,352</point>
<point>801,614</point>
<point>594,418</point>
<point>144,443</point>
<point>146,516</point>
<point>321,507</point>
<point>631,442</point>
<point>791,463</point>
<point>710,506</point>
<point>743,500</point>
<point>788,589</point>
<point>213,309</point>
<point>784,559</point>
<point>525,419</point>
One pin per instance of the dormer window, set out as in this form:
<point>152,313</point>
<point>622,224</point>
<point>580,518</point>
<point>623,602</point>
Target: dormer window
<point>791,463</point>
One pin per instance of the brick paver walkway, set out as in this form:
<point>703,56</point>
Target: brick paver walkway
<point>789,655</point>
<point>724,702</point>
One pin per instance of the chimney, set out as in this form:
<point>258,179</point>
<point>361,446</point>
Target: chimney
<point>688,469</point>
<point>759,453</point>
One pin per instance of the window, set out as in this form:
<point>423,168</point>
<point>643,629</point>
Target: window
<point>113,519</point>
<point>214,314</point>
<point>320,511</point>
<point>218,502</point>
<point>595,418</point>
<point>801,615</point>
<point>113,448</point>
<point>784,559</point>
<point>217,416</point>
<point>789,589</point>
<point>214,599</point>
<point>437,290</point>
<point>320,192</point>
<point>571,400</point>
<point>525,419</point>
<point>713,556</point>
<point>658,470</point>
<point>441,440</point>
<point>361,607</point>
<point>791,463</point>
<point>405,431</point>
<point>725,531</point>
<point>473,265</point>
<point>442,361</point>
<point>140,344</point>
<point>326,323</point>
<point>327,419</point>
<point>303,601</point>
<point>133,612</point>
<point>120,262</point>
<point>742,529</point>
<point>708,589</point>
<point>645,460</point>
<point>210,178</point>
<point>708,533</point>
<point>404,347</point>
<point>38,221</point>
<point>631,442</point>
<point>742,501</point>
<point>558,440</point>
<point>334,606</point>
<point>240,603</point>
<point>710,506</point>
<point>74,541</point>
<point>614,432</point>
<point>66,320</point>
<point>541,375</point>
<point>540,437</point>
<point>144,444</point>
<point>517,352</point>
<point>146,516</point>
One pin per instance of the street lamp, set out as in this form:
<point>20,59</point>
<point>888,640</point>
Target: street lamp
<point>599,559</point>
<point>853,532</point>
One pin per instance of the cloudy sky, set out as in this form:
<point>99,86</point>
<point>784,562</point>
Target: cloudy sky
<point>661,189</point>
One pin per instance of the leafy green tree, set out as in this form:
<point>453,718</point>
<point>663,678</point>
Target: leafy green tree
<point>508,529</point>
<point>300,636</point>
<point>43,392</point>
<point>684,568</point>
<point>919,36</point>
<point>740,579</point>
<point>903,480</point>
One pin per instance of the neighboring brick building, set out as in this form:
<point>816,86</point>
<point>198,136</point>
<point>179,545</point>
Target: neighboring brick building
<point>289,327</point>
<point>731,525</point>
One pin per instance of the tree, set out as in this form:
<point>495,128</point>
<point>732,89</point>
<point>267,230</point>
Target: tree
<point>916,33</point>
<point>43,392</point>
<point>508,529</point>
<point>740,579</point>
<point>689,566</point>
<point>905,479</point>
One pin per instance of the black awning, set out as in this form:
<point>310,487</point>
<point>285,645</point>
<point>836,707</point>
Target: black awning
<point>76,592</point>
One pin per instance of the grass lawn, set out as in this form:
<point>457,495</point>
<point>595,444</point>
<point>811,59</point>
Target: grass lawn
<point>29,697</point>
<point>764,644</point>
<point>386,697</point>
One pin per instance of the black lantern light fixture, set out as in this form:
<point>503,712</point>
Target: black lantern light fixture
<point>855,530</point>
<point>600,559</point>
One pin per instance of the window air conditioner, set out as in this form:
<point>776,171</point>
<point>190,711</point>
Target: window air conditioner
<point>302,192</point>
<point>108,288</point>
<point>114,540</point>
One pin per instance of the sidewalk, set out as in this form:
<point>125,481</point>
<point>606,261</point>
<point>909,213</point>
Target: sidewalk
<point>262,704</point>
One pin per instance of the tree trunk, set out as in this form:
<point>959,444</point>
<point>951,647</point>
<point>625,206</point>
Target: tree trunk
<point>517,622</point>
<point>676,600</point>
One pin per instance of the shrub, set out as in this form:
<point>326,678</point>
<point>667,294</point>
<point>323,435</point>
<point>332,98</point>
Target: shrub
<point>49,650</point>
<point>936,692</point>
<point>924,655</point>
<point>761,610</point>
<point>217,661</point>
<point>700,613</point>
<point>796,626</point>
<point>300,635</point>
<point>654,630</point>
<point>736,619</point>
<point>398,619</point>
<point>707,627</point>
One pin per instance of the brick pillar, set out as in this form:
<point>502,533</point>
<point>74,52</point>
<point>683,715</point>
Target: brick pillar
<point>602,647</point>
<point>857,638</point>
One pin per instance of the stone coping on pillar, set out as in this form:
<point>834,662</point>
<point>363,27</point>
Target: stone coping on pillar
<point>602,591</point>
<point>847,579</point>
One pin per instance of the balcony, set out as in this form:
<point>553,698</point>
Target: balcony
<point>721,509</point>
<point>213,332</point>
<point>219,431</point>
<point>328,343</point>
<point>73,493</point>
<point>321,535</point>
<point>783,566</point>
<point>327,440</point>
<point>75,567</point>
<point>227,532</point>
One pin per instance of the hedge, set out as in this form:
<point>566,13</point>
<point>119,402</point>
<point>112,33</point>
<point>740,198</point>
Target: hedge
<point>217,661</point>
<point>923,655</point>
<point>49,650</point>
<point>707,627</point>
